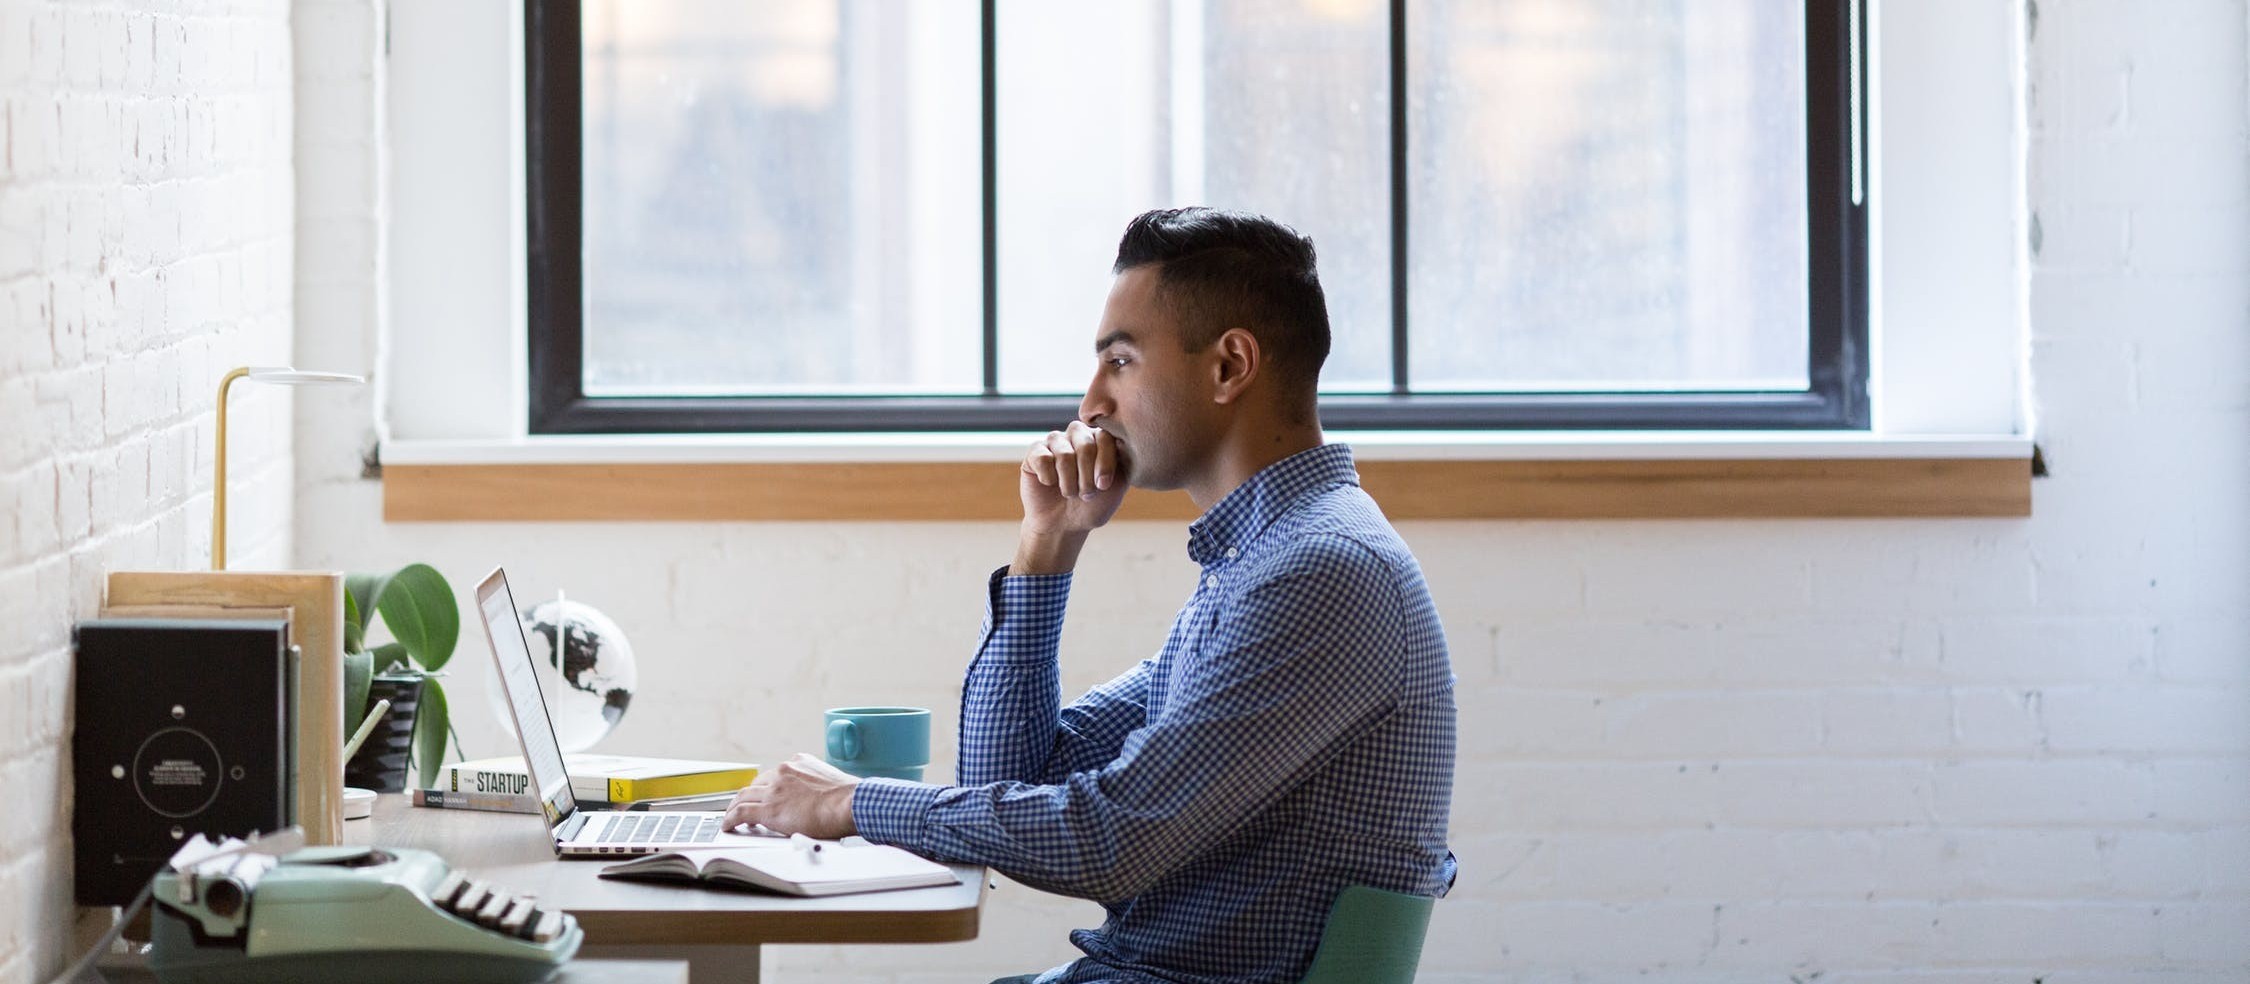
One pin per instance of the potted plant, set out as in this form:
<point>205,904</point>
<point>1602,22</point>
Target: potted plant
<point>416,605</point>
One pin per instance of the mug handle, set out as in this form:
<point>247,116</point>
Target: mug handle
<point>843,739</point>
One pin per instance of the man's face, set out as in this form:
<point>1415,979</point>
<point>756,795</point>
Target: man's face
<point>1147,390</point>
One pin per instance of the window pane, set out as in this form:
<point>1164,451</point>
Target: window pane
<point>781,196</point>
<point>1607,194</point>
<point>1109,109</point>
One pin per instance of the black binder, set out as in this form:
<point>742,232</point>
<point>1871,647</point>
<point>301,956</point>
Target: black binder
<point>183,728</point>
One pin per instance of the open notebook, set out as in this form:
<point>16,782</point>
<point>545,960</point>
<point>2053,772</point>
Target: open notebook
<point>837,868</point>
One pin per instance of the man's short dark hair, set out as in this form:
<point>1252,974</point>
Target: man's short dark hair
<point>1221,269</point>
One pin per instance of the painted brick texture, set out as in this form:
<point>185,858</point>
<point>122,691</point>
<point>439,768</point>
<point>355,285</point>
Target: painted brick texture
<point>145,237</point>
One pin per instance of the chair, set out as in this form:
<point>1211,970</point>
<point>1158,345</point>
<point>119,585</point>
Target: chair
<point>1373,937</point>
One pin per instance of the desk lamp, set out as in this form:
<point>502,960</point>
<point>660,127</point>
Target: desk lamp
<point>258,374</point>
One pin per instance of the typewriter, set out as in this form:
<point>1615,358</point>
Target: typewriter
<point>348,913</point>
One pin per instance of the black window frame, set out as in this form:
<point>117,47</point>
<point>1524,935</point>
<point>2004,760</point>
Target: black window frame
<point>1837,359</point>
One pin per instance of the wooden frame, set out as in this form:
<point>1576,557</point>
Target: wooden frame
<point>316,626</point>
<point>962,491</point>
<point>1836,227</point>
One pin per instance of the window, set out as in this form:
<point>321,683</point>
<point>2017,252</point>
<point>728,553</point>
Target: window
<point>805,216</point>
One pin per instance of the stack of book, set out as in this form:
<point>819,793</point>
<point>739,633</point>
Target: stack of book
<point>617,782</point>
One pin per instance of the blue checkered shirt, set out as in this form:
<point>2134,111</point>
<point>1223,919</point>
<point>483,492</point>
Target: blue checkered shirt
<point>1294,736</point>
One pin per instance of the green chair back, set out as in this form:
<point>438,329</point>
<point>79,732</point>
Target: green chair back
<point>1373,937</point>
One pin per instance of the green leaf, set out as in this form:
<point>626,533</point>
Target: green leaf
<point>388,657</point>
<point>360,592</point>
<point>417,606</point>
<point>355,634</point>
<point>430,723</point>
<point>358,668</point>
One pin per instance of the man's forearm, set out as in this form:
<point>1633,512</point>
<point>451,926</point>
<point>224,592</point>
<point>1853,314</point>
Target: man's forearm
<point>1046,553</point>
<point>1010,698</point>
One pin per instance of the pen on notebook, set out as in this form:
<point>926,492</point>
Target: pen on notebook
<point>807,845</point>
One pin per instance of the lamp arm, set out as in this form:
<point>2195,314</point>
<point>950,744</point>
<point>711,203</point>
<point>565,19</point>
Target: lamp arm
<point>219,476</point>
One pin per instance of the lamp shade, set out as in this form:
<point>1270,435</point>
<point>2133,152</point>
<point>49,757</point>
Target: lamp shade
<point>298,377</point>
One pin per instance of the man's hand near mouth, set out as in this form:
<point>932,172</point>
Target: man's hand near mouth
<point>1072,482</point>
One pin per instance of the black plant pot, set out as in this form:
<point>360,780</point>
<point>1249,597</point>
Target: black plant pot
<point>380,764</point>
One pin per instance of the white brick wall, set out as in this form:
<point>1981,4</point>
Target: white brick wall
<point>145,217</point>
<point>1879,752</point>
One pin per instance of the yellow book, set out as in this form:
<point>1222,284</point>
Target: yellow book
<point>616,779</point>
<point>722,777</point>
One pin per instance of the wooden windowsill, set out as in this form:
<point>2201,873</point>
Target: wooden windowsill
<point>1560,482</point>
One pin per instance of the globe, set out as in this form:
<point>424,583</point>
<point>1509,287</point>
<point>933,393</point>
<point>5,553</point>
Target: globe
<point>588,680</point>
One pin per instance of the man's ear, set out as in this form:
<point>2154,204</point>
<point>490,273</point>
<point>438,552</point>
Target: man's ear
<point>1238,362</point>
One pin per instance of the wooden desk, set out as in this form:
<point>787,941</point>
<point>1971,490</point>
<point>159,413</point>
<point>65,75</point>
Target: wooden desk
<point>717,932</point>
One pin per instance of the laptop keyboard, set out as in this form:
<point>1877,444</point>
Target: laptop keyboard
<point>658,828</point>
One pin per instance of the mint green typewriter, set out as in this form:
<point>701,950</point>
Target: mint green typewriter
<point>369,914</point>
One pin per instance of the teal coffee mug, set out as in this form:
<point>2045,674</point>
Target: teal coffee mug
<point>880,742</point>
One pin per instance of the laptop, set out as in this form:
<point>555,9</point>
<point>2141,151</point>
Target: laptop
<point>577,833</point>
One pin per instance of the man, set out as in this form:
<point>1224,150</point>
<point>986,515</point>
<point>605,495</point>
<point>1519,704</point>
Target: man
<point>1295,733</point>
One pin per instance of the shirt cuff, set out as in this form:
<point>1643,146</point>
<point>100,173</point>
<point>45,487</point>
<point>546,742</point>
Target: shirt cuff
<point>890,811</point>
<point>1024,616</point>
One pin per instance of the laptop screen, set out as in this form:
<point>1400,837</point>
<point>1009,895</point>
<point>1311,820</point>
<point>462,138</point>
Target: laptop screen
<point>512,653</point>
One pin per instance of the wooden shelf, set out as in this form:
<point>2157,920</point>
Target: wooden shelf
<point>957,491</point>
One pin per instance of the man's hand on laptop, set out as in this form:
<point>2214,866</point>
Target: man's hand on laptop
<point>801,796</point>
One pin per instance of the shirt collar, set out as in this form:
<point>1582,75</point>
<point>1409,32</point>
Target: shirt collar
<point>1274,490</point>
